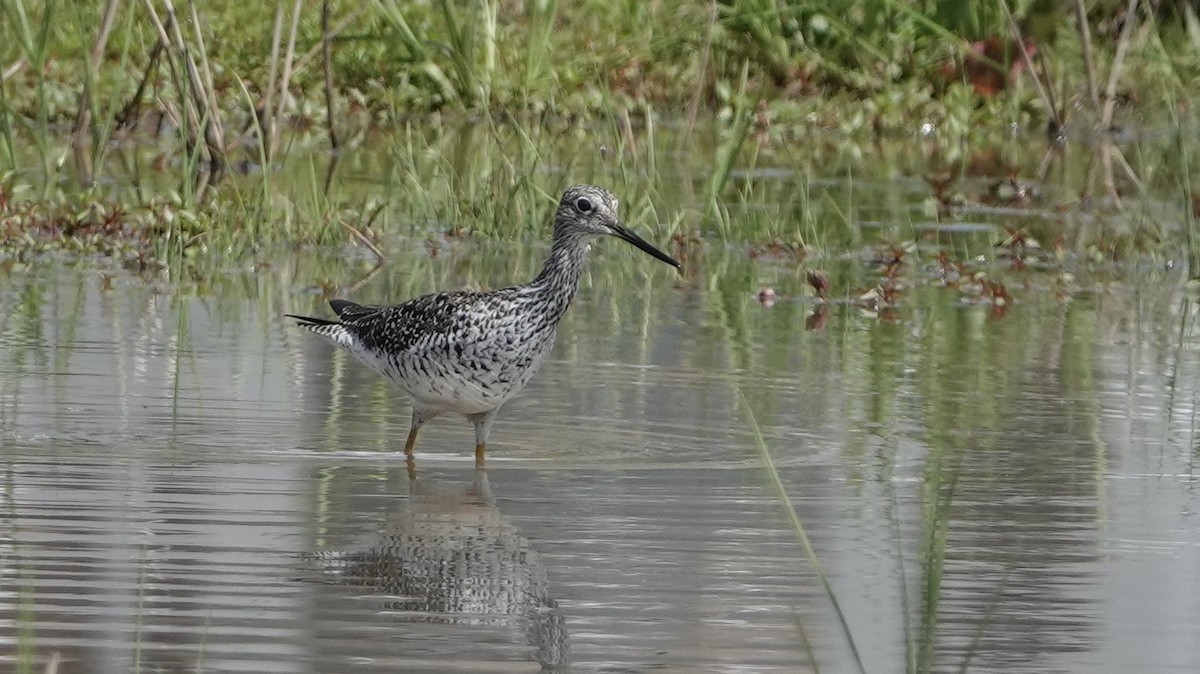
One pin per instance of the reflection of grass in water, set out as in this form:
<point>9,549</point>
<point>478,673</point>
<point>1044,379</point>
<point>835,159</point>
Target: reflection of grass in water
<point>960,361</point>
<point>181,342</point>
<point>25,323</point>
<point>798,529</point>
<point>981,629</point>
<point>920,644</point>
<point>938,493</point>
<point>961,394</point>
<point>203,644</point>
<point>1174,382</point>
<point>139,617</point>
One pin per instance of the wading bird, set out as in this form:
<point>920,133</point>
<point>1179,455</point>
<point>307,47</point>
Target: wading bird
<point>470,352</point>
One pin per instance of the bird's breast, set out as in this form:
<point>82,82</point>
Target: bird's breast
<point>472,371</point>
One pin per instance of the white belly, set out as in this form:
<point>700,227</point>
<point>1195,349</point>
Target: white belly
<point>471,383</point>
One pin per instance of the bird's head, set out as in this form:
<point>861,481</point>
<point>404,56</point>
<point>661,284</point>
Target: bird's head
<point>587,211</point>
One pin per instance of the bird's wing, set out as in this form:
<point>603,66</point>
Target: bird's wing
<point>422,322</point>
<point>349,311</point>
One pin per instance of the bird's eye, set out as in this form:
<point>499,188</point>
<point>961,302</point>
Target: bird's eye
<point>583,205</point>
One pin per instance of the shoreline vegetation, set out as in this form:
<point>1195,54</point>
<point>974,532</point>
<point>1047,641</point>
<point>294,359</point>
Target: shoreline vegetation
<point>150,128</point>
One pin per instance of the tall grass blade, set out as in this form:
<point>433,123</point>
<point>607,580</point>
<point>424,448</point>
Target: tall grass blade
<point>285,79</point>
<point>6,130</point>
<point>798,526</point>
<point>418,55</point>
<point>1118,64</point>
<point>940,485</point>
<point>34,47</point>
<point>727,153</point>
<point>265,117</point>
<point>540,16</point>
<point>806,644</point>
<point>85,154</point>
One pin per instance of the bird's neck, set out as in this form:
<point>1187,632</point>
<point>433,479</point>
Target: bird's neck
<point>559,279</point>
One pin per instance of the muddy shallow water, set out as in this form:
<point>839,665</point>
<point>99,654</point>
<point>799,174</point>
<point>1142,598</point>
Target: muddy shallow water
<point>191,483</point>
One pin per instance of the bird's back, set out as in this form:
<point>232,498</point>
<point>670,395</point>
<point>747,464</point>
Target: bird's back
<point>462,351</point>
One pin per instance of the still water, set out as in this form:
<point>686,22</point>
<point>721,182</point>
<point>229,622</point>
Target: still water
<point>190,483</point>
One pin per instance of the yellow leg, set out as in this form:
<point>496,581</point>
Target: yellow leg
<point>483,423</point>
<point>412,440</point>
<point>411,467</point>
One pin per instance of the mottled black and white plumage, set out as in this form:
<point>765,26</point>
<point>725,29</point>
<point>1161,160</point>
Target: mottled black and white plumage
<point>470,352</point>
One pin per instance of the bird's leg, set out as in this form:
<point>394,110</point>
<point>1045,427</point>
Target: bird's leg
<point>483,427</point>
<point>412,440</point>
<point>410,463</point>
<point>418,420</point>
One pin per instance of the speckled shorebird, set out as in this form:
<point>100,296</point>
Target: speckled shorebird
<point>471,352</point>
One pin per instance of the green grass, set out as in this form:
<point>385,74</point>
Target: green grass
<point>475,115</point>
<point>797,527</point>
<point>485,55</point>
<point>500,179</point>
<point>31,38</point>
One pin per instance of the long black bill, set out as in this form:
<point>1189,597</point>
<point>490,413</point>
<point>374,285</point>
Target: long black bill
<point>625,234</point>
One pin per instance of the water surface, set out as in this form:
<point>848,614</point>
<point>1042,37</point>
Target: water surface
<point>192,483</point>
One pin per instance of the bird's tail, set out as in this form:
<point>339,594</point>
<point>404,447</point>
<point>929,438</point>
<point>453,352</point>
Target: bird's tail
<point>333,331</point>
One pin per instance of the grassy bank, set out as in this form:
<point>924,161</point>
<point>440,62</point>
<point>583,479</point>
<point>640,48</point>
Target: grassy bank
<point>386,58</point>
<point>164,126</point>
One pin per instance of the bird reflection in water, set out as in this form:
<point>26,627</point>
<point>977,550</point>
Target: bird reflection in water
<point>451,557</point>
